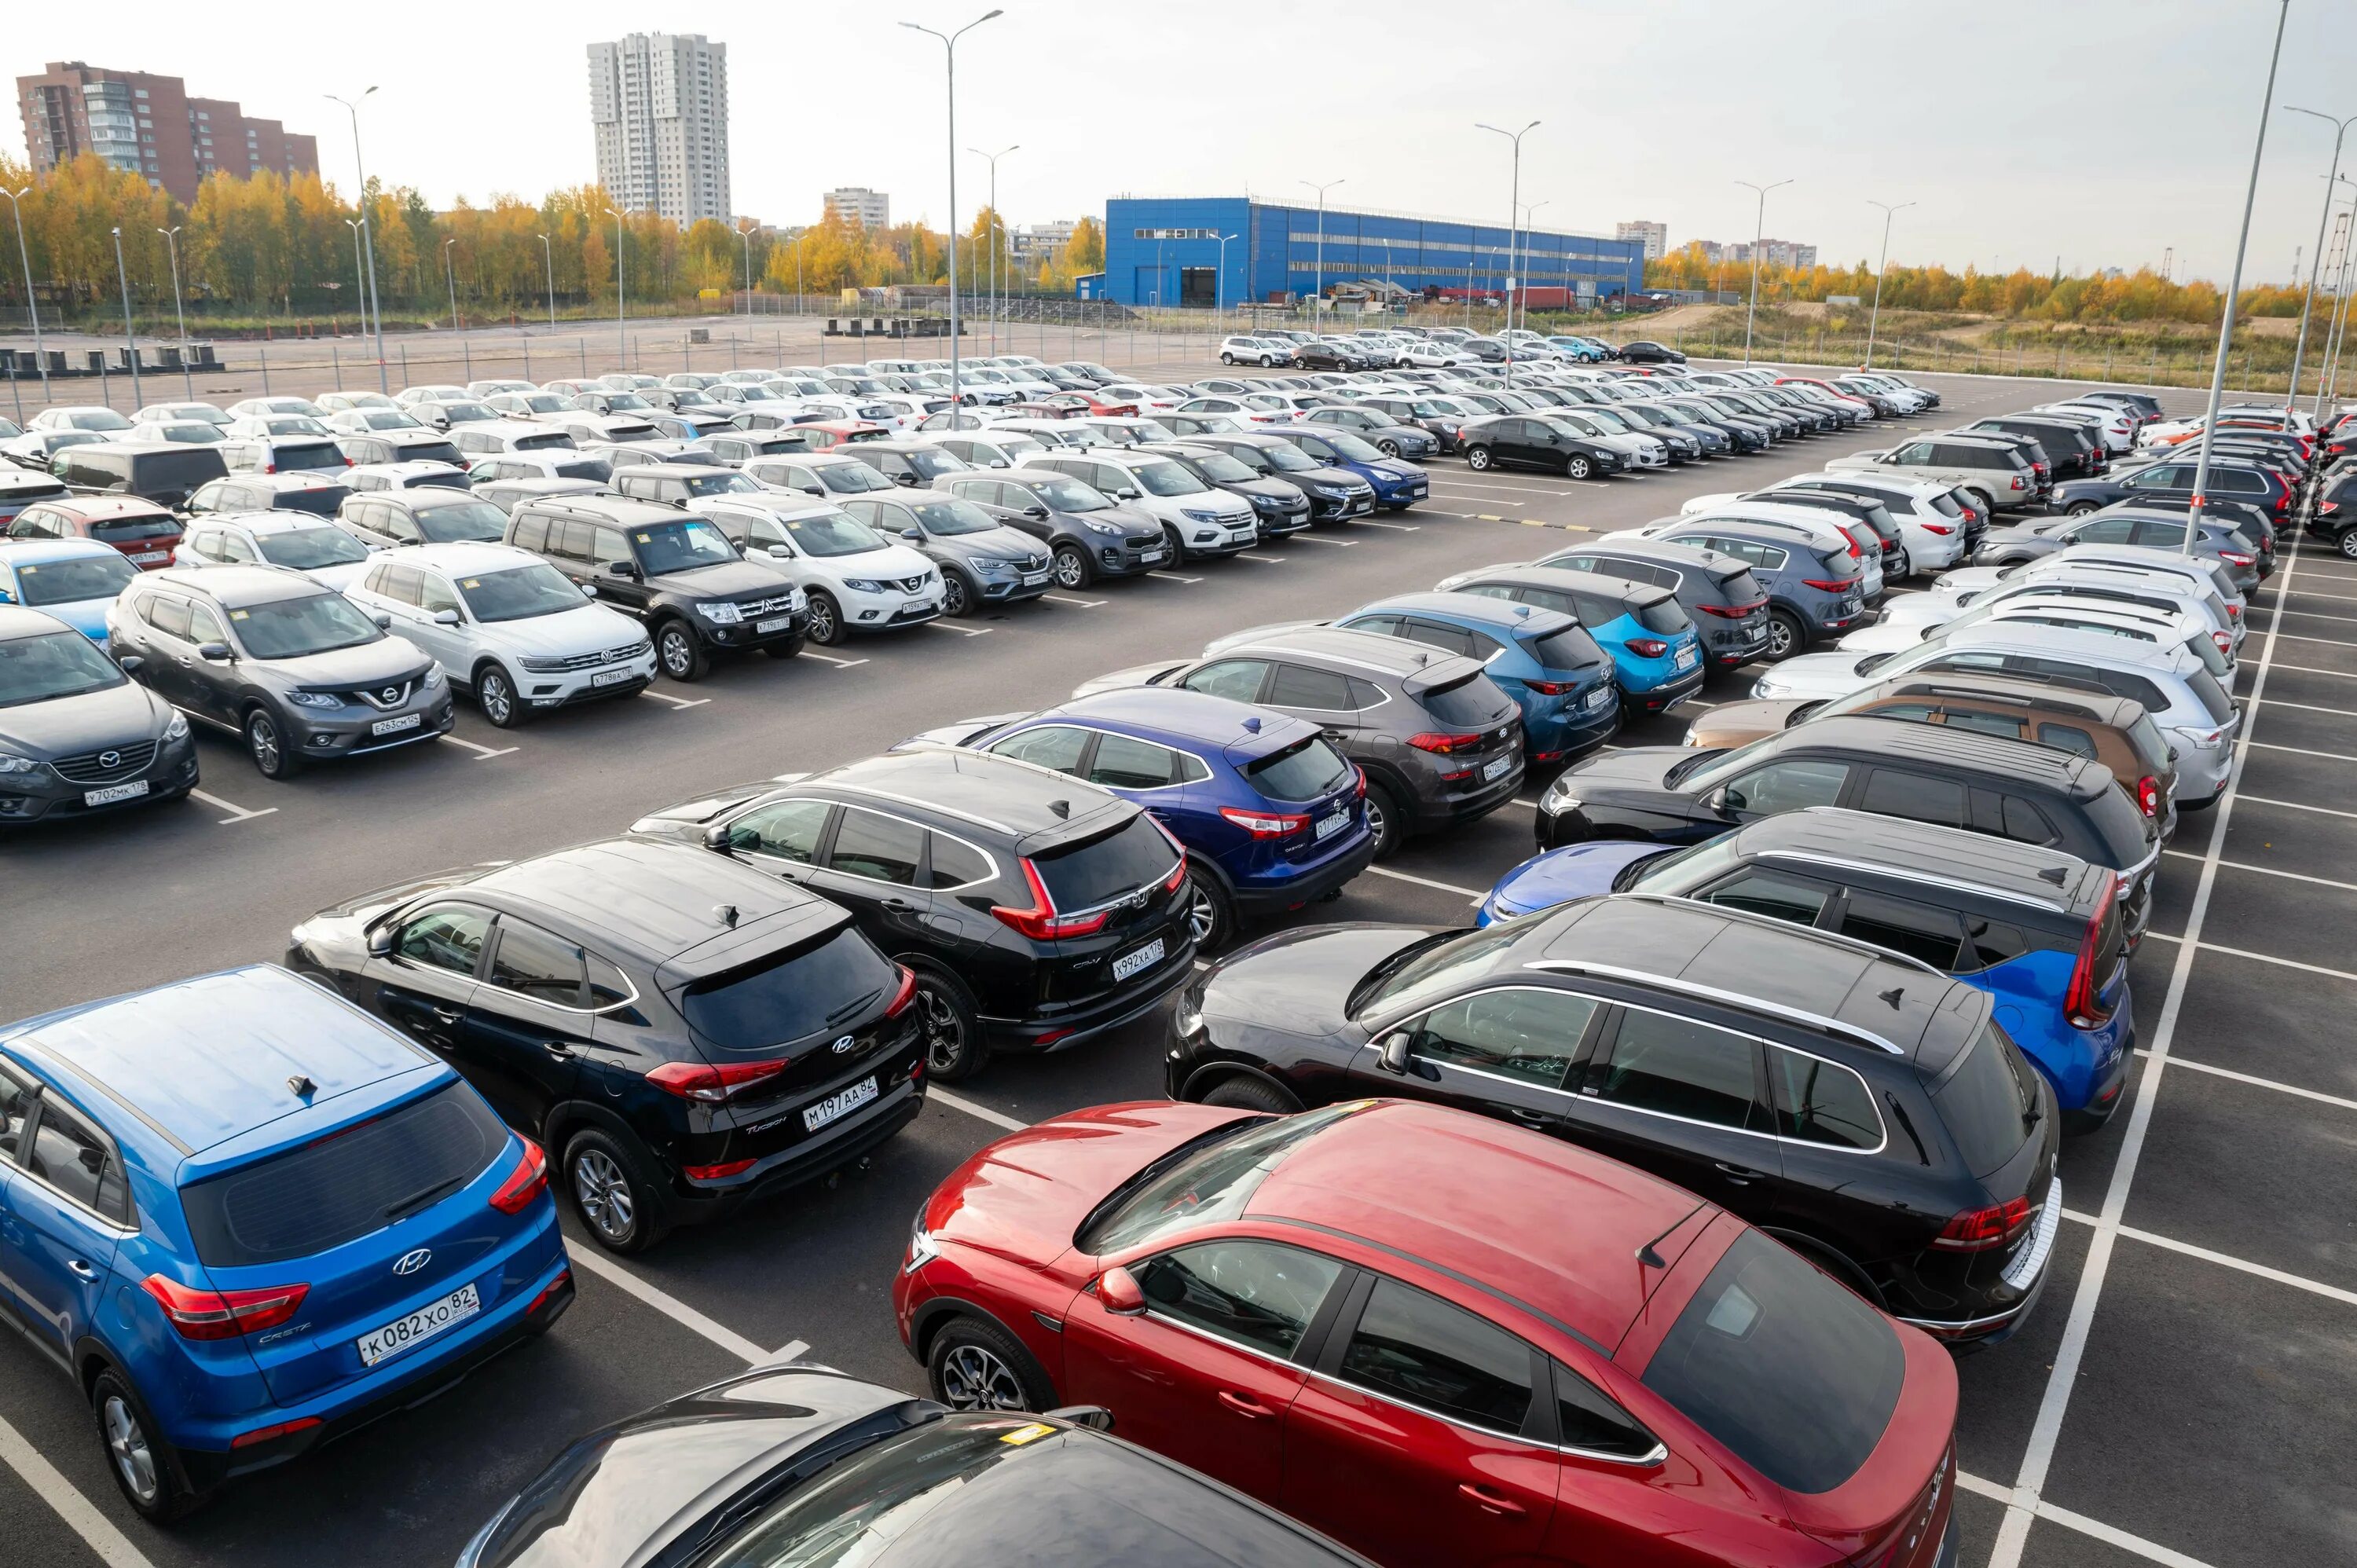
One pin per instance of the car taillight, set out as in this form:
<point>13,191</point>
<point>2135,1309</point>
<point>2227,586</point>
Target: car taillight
<point>223,1313</point>
<point>2082,1004</point>
<point>2224,640</point>
<point>1443,745</point>
<point>2323,506</point>
<point>2235,611</point>
<point>2236,558</point>
<point>2147,794</point>
<point>720,1171</point>
<point>1647,647</point>
<point>1731,612</point>
<point>1041,922</point>
<point>1942,529</point>
<point>277,1430</point>
<point>1830,585</point>
<point>2019,483</point>
<point>1552,688</point>
<point>270,468</point>
<point>1978,1229</point>
<point>710,1085</point>
<point>1264,825</point>
<point>903,994</point>
<point>526,1182</point>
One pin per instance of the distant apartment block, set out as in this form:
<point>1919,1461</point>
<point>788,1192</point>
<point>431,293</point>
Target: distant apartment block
<point>659,108</point>
<point>1037,243</point>
<point>148,125</point>
<point>1775,253</point>
<point>871,210</point>
<point>1655,237</point>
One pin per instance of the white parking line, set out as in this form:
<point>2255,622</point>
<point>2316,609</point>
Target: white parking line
<point>961,630</point>
<point>241,813</point>
<point>979,1112</point>
<point>482,752</point>
<point>2312,708</point>
<point>1174,576</point>
<point>2297,806</point>
<point>1395,527</point>
<point>676,702</point>
<point>1264,560</point>
<point>2291,1089</point>
<point>586,1259</point>
<point>1484,500</point>
<point>2149,1550</point>
<point>2313,670</point>
<point>1068,599</point>
<point>2270,958</point>
<point>2320,614</point>
<point>2326,641</point>
<point>2297,750</point>
<point>2269,870</point>
<point>2224,1260</point>
<point>1424,882</point>
<point>830,658</point>
<point>1311,539</point>
<point>97,1532</point>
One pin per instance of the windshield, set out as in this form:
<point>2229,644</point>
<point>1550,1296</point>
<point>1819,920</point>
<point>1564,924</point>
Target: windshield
<point>520,594</point>
<point>1607,420</point>
<point>308,549</point>
<point>666,547</point>
<point>1209,1180</point>
<point>1350,447</point>
<point>292,629</point>
<point>52,664</point>
<point>469,522</point>
<point>1435,969</point>
<point>852,478</point>
<point>199,434</point>
<point>1065,494</point>
<point>69,582</point>
<point>1221,468</point>
<point>389,419</point>
<point>727,482</point>
<point>621,403</point>
<point>832,533</point>
<point>1287,458</point>
<point>950,518</point>
<point>1162,478</point>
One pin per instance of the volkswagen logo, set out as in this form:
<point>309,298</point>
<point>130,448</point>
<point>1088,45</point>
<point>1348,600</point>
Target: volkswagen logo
<point>390,694</point>
<point>412,1262</point>
<point>843,1045</point>
<point>110,759</point>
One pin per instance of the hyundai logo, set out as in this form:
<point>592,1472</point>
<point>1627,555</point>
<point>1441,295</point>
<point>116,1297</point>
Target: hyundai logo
<point>110,759</point>
<point>843,1045</point>
<point>412,1262</point>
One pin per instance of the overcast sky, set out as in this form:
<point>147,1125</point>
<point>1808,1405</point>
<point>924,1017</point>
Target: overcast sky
<point>2102,131</point>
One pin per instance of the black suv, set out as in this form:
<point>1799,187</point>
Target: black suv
<point>166,472</point>
<point>1864,1108</point>
<point>1718,592</point>
<point>1036,911</point>
<point>1336,495</point>
<point>1888,768</point>
<point>678,574</point>
<point>681,1034</point>
<point>2070,450</point>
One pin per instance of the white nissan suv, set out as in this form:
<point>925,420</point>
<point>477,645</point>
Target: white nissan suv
<point>856,579</point>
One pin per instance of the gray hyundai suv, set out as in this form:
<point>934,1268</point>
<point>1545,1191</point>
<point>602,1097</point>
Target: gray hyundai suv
<point>1813,593</point>
<point>299,671</point>
<point>1089,533</point>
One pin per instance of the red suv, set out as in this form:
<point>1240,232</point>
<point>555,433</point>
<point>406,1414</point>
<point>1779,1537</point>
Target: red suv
<point>143,531</point>
<point>1436,1338</point>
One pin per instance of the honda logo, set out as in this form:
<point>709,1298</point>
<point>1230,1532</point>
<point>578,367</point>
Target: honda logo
<point>412,1262</point>
<point>843,1045</point>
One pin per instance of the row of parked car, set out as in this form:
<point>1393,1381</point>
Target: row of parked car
<point>1433,348</point>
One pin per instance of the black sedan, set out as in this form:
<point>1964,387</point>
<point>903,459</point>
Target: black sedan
<point>1531,441</point>
<point>1325,357</point>
<point>794,1463</point>
<point>1645,351</point>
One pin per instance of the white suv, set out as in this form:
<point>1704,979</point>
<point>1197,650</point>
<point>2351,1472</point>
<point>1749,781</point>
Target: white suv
<point>1197,520</point>
<point>1252,352</point>
<point>1931,525</point>
<point>857,580</point>
<point>508,627</point>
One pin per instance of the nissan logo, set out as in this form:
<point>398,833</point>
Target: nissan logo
<point>843,1045</point>
<point>110,759</point>
<point>391,693</point>
<point>412,1262</point>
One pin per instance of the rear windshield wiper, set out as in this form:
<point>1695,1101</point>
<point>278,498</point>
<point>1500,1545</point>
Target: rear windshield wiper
<point>417,1200</point>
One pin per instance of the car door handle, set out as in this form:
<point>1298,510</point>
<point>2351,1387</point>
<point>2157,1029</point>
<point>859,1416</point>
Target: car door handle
<point>558,1049</point>
<point>1244,1405</point>
<point>899,906</point>
<point>1491,1501</point>
<point>1739,1175</point>
<point>1523,1114</point>
<point>447,1014</point>
<point>82,1270</point>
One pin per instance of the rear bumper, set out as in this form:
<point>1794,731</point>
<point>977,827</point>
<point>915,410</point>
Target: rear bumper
<point>1303,883</point>
<point>1078,1026</point>
<point>815,1156</point>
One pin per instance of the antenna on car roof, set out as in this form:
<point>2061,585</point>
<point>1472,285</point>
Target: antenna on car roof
<point>302,1085</point>
<point>1892,996</point>
<point>1063,809</point>
<point>1652,1260</point>
<point>2057,875</point>
<point>727,915</point>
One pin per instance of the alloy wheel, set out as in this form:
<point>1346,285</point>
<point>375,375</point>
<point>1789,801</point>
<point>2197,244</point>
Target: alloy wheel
<point>937,1015</point>
<point>974,1379</point>
<point>1072,572</point>
<point>1577,468</point>
<point>496,697</point>
<point>2348,544</point>
<point>262,738</point>
<point>127,1442</point>
<point>1203,915</point>
<point>604,1194</point>
<point>1780,639</point>
<point>678,654</point>
<point>955,600</point>
<point>822,619</point>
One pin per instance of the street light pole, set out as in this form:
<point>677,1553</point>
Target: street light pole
<point>2234,288</point>
<point>621,318</point>
<point>1316,279</point>
<point>450,278</point>
<point>1528,210</point>
<point>40,355</point>
<point>129,342</point>
<point>949,52</point>
<point>1758,229</point>
<point>1889,212</point>
<point>746,234</point>
<point>2338,336</point>
<point>2299,343</point>
<point>1514,210</point>
<point>368,233</point>
<point>1220,278</point>
<point>359,277</point>
<point>548,255</point>
<point>995,230</point>
<point>172,239</point>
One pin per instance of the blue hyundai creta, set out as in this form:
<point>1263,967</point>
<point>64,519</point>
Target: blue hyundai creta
<point>1656,653</point>
<point>247,1218</point>
<point>1541,657</point>
<point>1399,484</point>
<point>1270,814</point>
<point>2041,931</point>
<point>74,579</point>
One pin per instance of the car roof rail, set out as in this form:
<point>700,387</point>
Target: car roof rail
<point>1734,999</point>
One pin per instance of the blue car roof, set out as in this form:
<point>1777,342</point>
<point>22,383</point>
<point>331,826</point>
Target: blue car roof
<point>16,551</point>
<point>204,1061</point>
<point>1477,610</point>
<point>1197,716</point>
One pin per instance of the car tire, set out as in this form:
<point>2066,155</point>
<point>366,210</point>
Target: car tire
<point>957,1044</point>
<point>1786,636</point>
<point>1268,362</point>
<point>958,595</point>
<point>2080,508</point>
<point>1477,459</point>
<point>678,652</point>
<point>613,1189</point>
<point>1072,568</point>
<point>1227,358</point>
<point>1388,448</point>
<point>1211,914</point>
<point>137,1455</point>
<point>1244,1093</point>
<point>1176,545</point>
<point>826,627</point>
<point>2346,542</point>
<point>974,1364</point>
<point>495,693</point>
<point>1577,468</point>
<point>1386,817</point>
<point>266,743</point>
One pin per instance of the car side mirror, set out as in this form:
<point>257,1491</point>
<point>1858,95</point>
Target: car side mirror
<point>446,618</point>
<point>904,478</point>
<point>1096,1417</point>
<point>717,836</point>
<point>1126,494</point>
<point>1392,1055</point>
<point>778,552</point>
<point>129,663</point>
<point>1037,513</point>
<point>215,653</point>
<point>625,569</point>
<point>1118,1289</point>
<point>586,590</point>
<point>1716,801</point>
<point>914,536</point>
<point>380,942</point>
<point>384,622</point>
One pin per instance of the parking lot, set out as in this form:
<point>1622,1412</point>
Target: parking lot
<point>2185,1394</point>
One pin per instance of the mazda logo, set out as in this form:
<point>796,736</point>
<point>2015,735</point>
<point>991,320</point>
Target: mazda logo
<point>110,759</point>
<point>843,1045</point>
<point>412,1262</point>
<point>391,693</point>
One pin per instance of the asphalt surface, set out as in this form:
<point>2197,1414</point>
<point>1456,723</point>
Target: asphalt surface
<point>2185,1393</point>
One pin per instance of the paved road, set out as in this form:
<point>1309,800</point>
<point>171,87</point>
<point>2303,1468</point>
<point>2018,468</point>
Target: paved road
<point>2186,1397</point>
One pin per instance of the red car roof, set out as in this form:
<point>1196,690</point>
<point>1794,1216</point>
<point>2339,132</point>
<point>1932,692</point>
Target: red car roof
<point>1554,1225</point>
<point>100,508</point>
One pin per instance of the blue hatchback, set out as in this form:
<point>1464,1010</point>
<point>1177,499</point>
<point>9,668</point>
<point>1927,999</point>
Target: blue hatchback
<point>2039,930</point>
<point>248,1218</point>
<point>72,579</point>
<point>1541,657</point>
<point>1656,652</point>
<point>1271,816</point>
<point>1399,484</point>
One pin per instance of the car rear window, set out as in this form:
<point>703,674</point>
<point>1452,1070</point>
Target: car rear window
<point>2150,748</point>
<point>2213,698</point>
<point>1988,1100</point>
<point>345,1185</point>
<point>180,470</point>
<point>1741,588</point>
<point>324,500</point>
<point>1110,866</point>
<point>142,525</point>
<point>1838,566</point>
<point>1302,771</point>
<point>1469,703</point>
<point>2122,825</point>
<point>789,994</point>
<point>1570,649</point>
<point>294,455</point>
<point>1663,616</point>
<point>1790,1370</point>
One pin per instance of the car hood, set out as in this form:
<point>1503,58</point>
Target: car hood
<point>1299,982</point>
<point>1339,478</point>
<point>1575,871</point>
<point>385,660</point>
<point>1275,490</point>
<point>1638,767</point>
<point>63,726</point>
<point>1134,675</point>
<point>999,544</point>
<point>1818,675</point>
<point>339,577</point>
<point>730,579</point>
<point>591,628</point>
<point>893,562</point>
<point>1739,723</point>
<point>1890,636</point>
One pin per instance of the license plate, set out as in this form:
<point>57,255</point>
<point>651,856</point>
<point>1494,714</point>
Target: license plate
<point>1496,770</point>
<point>1851,606</point>
<point>839,1105</point>
<point>778,623</point>
<point>427,1321</point>
<point>113,792</point>
<point>395,726</point>
<point>1145,958</point>
<point>1033,579</point>
<point>145,556</point>
<point>1332,823</point>
<point>1686,659</point>
<point>612,677</point>
<point>1150,558</point>
<point>1600,698</point>
<point>2032,1258</point>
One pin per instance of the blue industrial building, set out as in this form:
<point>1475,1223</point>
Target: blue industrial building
<point>1170,251</point>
